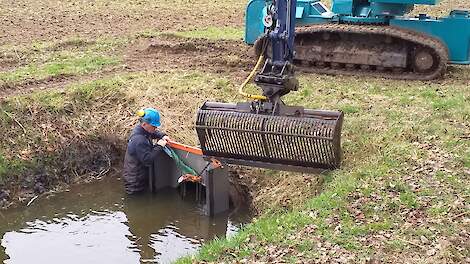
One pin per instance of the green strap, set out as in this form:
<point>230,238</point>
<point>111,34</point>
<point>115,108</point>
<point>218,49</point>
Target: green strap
<point>185,169</point>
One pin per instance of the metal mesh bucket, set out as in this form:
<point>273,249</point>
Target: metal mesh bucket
<point>278,142</point>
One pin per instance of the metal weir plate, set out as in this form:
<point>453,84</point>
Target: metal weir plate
<point>295,143</point>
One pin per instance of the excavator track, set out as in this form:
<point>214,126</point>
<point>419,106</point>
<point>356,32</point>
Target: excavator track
<point>381,51</point>
<point>368,50</point>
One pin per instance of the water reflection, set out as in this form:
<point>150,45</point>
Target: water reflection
<point>97,223</point>
<point>166,240</point>
<point>91,239</point>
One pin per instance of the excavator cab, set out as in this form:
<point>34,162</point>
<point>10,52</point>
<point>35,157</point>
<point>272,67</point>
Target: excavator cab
<point>265,132</point>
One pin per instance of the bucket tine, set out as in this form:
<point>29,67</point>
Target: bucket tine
<point>302,142</point>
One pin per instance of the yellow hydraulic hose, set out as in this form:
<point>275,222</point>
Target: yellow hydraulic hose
<point>250,77</point>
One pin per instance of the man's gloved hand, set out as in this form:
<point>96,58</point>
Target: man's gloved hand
<point>162,142</point>
<point>167,138</point>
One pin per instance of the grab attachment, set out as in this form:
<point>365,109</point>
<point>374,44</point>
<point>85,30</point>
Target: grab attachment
<point>293,139</point>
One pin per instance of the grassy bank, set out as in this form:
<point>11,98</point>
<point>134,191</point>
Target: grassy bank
<point>401,190</point>
<point>52,138</point>
<point>401,195</point>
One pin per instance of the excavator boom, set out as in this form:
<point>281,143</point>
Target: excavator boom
<point>266,132</point>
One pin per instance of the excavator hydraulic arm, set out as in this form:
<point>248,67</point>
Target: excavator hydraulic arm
<point>266,132</point>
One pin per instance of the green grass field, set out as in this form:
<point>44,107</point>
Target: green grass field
<point>401,195</point>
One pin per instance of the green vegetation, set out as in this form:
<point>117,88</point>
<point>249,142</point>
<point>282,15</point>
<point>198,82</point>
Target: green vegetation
<point>74,56</point>
<point>11,167</point>
<point>391,146</point>
<point>389,149</point>
<point>211,33</point>
<point>61,66</point>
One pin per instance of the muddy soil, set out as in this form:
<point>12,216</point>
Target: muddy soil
<point>170,53</point>
<point>24,21</point>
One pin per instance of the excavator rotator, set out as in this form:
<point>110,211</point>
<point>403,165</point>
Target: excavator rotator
<point>265,132</point>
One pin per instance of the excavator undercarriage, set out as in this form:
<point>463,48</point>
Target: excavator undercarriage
<point>381,51</point>
<point>370,37</point>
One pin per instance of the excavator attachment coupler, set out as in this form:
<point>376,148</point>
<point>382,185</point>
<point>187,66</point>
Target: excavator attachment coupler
<point>304,142</point>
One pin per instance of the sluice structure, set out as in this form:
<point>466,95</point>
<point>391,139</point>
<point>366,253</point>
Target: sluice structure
<point>211,182</point>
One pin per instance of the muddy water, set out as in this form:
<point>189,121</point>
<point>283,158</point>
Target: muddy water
<point>98,223</point>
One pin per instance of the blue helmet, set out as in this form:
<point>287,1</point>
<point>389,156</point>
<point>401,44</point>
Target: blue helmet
<point>150,116</point>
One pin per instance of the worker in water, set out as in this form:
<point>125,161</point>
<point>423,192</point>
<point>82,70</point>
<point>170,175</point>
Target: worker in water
<point>141,152</point>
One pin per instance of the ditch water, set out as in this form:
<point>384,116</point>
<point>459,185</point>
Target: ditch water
<point>99,223</point>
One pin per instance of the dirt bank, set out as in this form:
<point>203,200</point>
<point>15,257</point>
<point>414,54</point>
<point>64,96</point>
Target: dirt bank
<point>168,51</point>
<point>45,148</point>
<point>78,162</point>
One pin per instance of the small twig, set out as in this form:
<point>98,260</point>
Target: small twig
<point>18,56</point>
<point>14,119</point>
<point>459,215</point>
<point>32,200</point>
<point>412,243</point>
<point>105,171</point>
<point>29,110</point>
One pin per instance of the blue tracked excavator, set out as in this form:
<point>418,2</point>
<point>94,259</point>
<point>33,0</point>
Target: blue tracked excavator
<point>369,37</point>
<point>265,132</point>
